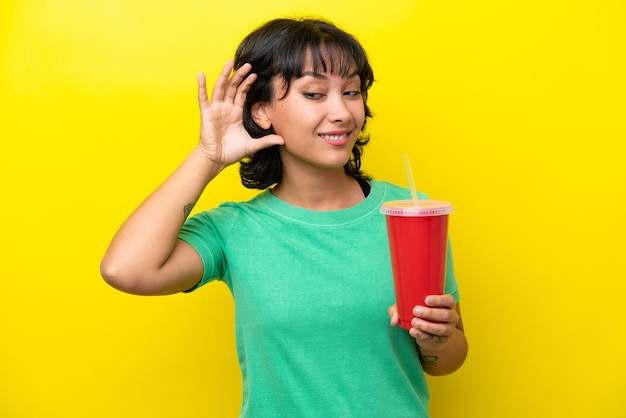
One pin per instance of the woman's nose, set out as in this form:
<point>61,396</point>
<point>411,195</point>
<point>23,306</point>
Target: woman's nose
<point>338,110</point>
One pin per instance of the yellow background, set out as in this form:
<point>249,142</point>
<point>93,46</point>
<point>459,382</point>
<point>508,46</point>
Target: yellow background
<point>514,111</point>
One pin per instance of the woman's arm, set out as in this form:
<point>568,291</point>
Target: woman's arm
<point>145,256</point>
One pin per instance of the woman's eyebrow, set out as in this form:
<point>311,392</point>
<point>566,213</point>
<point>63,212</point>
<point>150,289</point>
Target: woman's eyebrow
<point>324,77</point>
<point>314,75</point>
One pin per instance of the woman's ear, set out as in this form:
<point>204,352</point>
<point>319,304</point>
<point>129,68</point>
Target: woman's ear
<point>260,116</point>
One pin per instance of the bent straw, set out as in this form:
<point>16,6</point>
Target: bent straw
<point>409,176</point>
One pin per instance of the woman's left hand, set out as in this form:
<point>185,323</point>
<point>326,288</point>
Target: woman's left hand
<point>433,324</point>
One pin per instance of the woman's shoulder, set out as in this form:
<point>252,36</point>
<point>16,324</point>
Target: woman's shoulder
<point>227,210</point>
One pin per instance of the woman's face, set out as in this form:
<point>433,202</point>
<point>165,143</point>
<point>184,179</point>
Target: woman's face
<point>320,118</point>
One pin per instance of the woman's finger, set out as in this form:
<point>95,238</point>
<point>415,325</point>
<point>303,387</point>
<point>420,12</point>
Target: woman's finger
<point>440,301</point>
<point>203,97</point>
<point>235,81</point>
<point>221,85</point>
<point>436,314</point>
<point>392,311</point>
<point>243,89</point>
<point>432,328</point>
<point>425,337</point>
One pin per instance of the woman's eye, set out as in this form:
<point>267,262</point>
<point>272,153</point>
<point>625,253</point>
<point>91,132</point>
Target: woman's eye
<point>313,96</point>
<point>352,93</point>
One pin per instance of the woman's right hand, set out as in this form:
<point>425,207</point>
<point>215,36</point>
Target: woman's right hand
<point>223,138</point>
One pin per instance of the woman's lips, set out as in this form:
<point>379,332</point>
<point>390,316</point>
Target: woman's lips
<point>336,138</point>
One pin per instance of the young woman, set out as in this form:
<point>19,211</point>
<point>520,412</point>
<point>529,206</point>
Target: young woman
<point>307,259</point>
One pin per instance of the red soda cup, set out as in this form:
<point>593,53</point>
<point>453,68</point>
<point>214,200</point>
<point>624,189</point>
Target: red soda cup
<point>418,237</point>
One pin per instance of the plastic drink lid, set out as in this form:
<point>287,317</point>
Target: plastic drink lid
<point>424,208</point>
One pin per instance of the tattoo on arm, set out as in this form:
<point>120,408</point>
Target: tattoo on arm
<point>187,209</point>
<point>430,360</point>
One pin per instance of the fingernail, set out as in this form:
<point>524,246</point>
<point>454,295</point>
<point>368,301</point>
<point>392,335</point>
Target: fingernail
<point>417,311</point>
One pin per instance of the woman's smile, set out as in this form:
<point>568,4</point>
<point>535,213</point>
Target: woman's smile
<point>336,138</point>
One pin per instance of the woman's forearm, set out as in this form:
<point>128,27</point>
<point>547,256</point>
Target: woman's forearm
<point>446,358</point>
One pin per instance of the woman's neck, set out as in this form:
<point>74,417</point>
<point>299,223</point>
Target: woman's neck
<point>322,192</point>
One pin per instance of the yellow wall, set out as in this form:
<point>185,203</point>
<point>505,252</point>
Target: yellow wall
<point>514,111</point>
